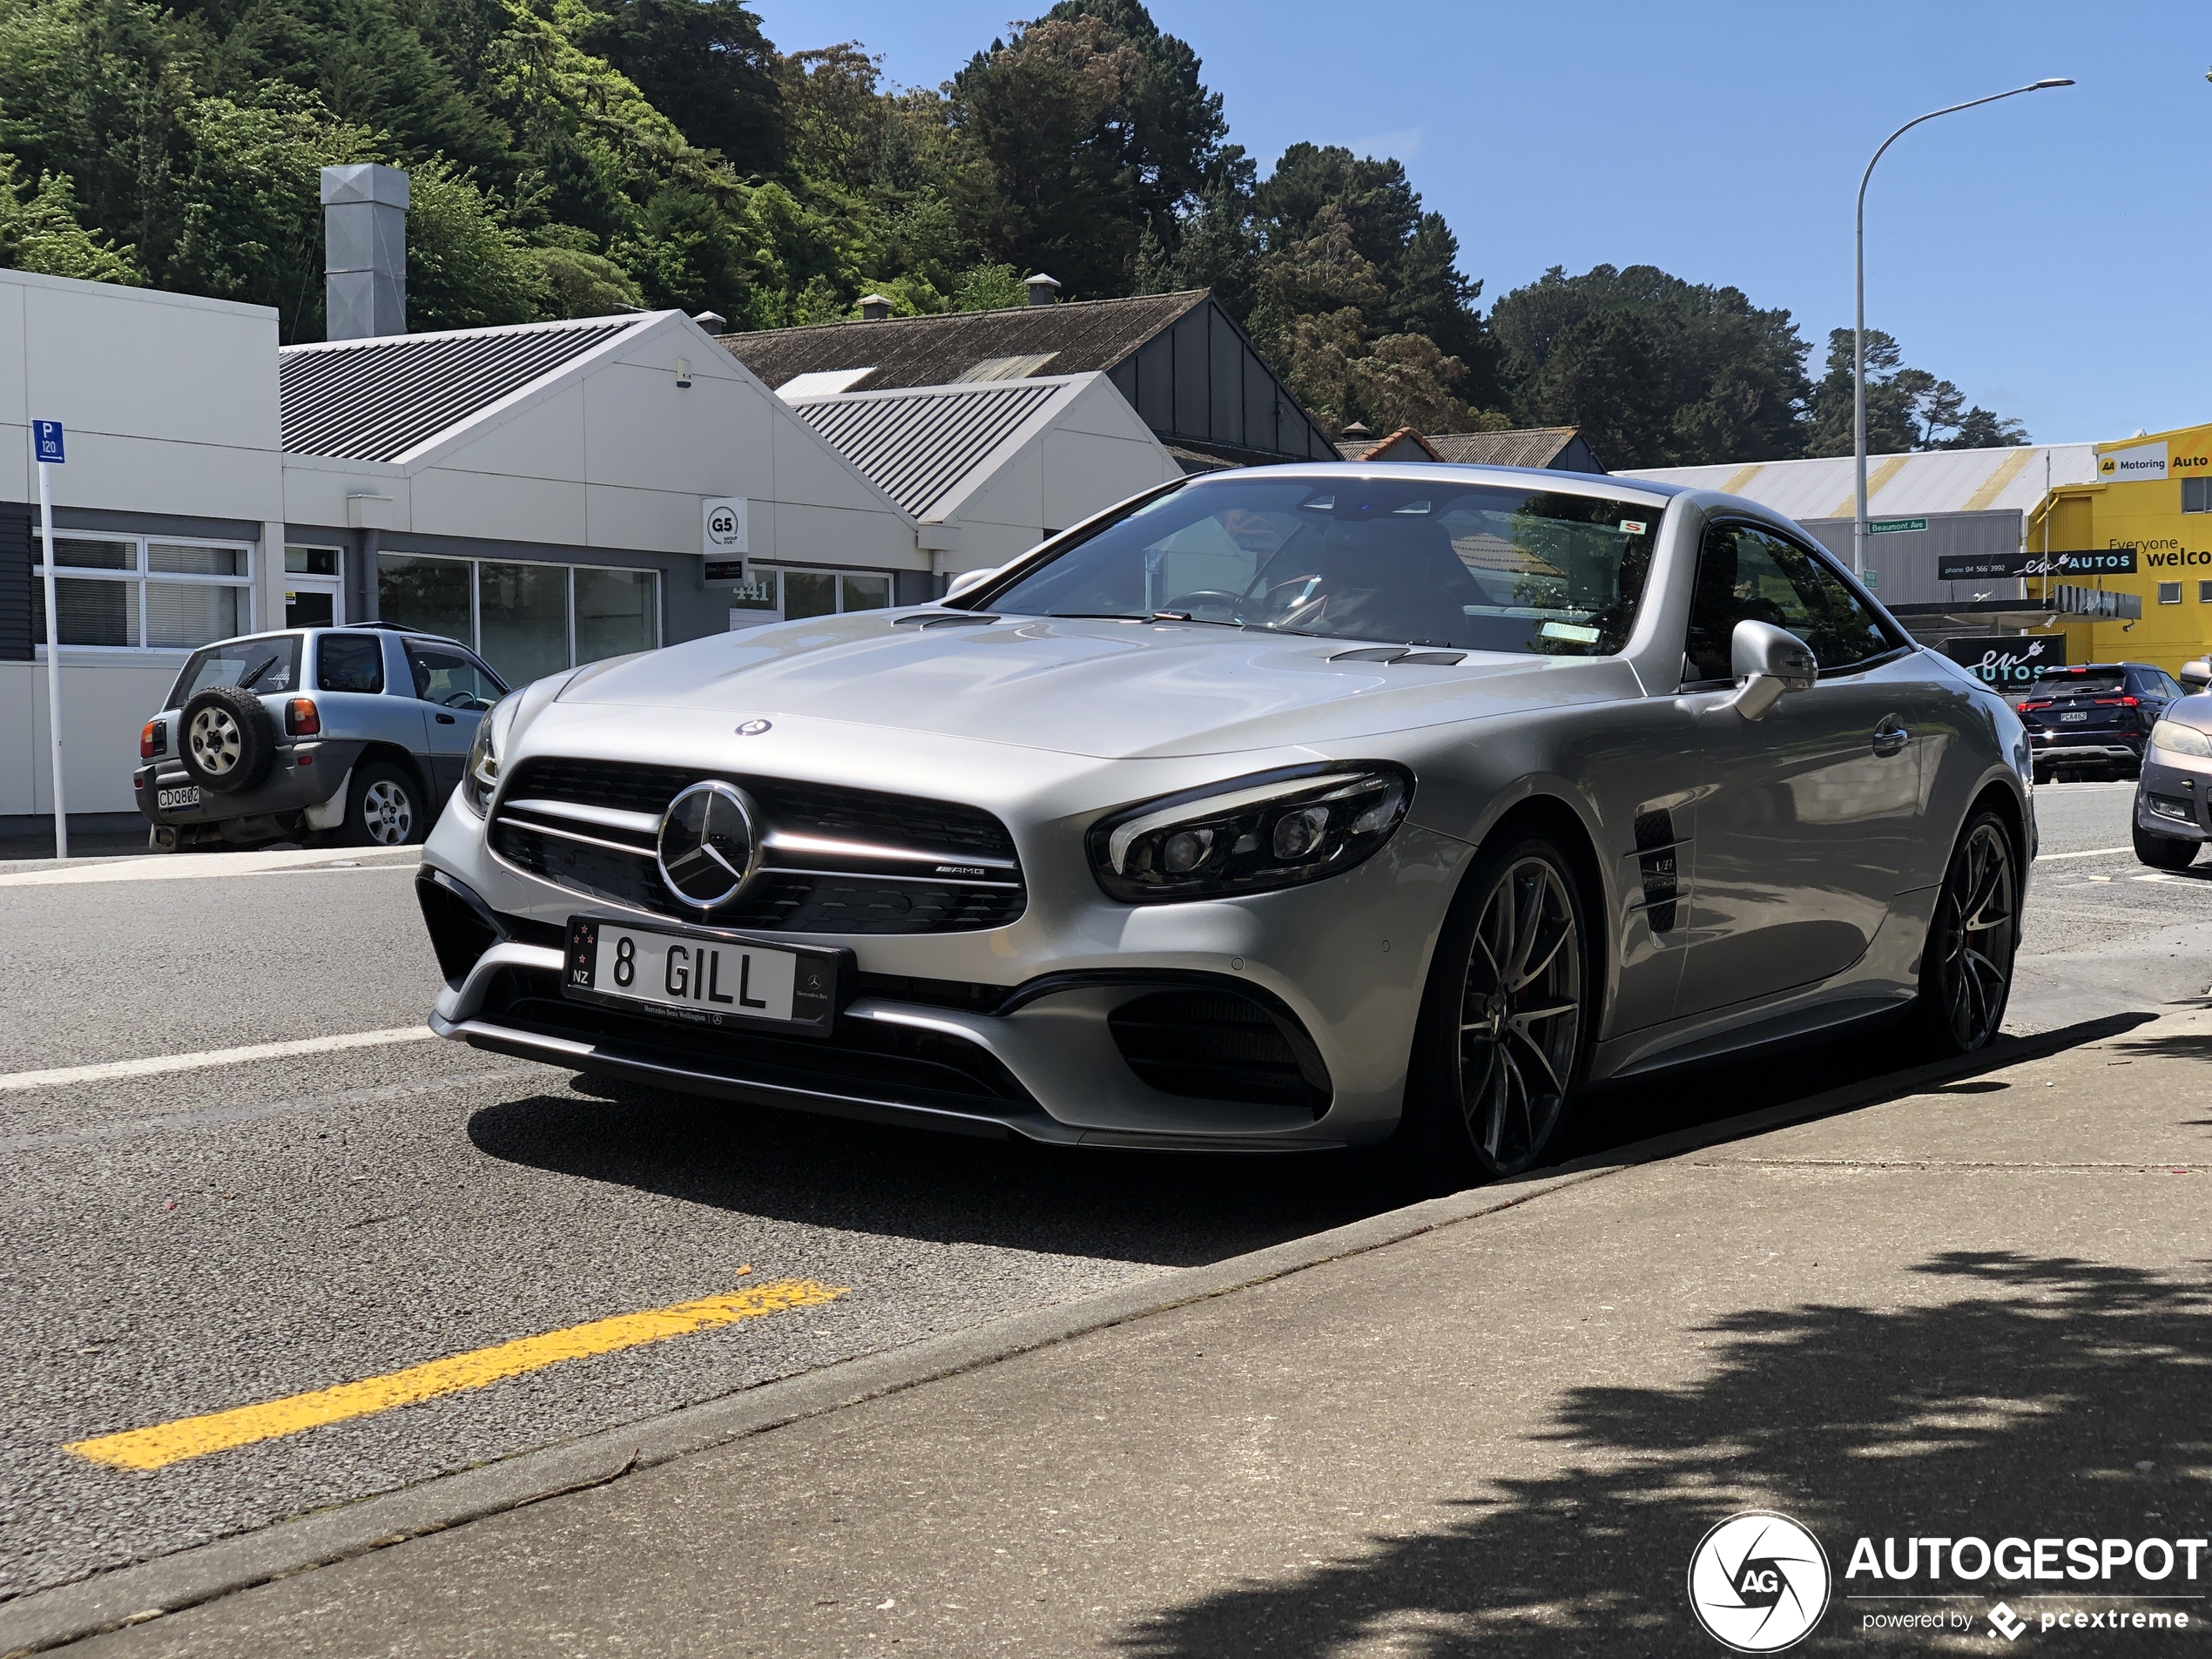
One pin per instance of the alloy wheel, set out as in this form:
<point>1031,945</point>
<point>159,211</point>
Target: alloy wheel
<point>1974,931</point>
<point>217,743</point>
<point>387,813</point>
<point>1521,1015</point>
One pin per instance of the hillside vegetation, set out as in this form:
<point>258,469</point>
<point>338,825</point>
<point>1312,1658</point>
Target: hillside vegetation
<point>571,158</point>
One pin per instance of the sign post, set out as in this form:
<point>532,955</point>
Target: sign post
<point>46,443</point>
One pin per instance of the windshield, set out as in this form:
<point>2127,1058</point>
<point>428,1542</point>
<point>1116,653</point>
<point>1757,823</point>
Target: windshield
<point>267,665</point>
<point>1395,561</point>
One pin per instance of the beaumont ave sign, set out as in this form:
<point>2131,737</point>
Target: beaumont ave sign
<point>1891,526</point>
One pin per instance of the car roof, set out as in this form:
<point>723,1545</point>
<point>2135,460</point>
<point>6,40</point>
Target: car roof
<point>2058,670</point>
<point>343,628</point>
<point>1594,483</point>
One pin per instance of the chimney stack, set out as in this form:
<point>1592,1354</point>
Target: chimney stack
<point>364,250</point>
<point>874,308</point>
<point>712,323</point>
<point>1043,291</point>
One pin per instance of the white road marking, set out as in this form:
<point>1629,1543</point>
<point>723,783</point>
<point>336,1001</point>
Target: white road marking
<point>2094,853</point>
<point>155,1065</point>
<point>178,866</point>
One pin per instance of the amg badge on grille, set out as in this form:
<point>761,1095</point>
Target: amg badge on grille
<point>706,848</point>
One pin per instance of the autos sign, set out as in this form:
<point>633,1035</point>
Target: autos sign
<point>2007,662</point>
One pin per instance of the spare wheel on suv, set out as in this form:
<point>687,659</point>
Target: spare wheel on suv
<point>226,739</point>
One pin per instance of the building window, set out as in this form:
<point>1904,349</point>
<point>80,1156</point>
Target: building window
<point>772,595</point>
<point>524,618</point>
<point>2204,593</point>
<point>2169,593</point>
<point>2196,495</point>
<point>145,593</point>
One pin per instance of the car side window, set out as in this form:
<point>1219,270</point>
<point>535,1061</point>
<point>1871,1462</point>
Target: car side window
<point>1746,575</point>
<point>2167,686</point>
<point>349,662</point>
<point>452,679</point>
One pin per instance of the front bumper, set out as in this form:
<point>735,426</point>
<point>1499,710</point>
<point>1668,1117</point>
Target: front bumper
<point>1282,1020</point>
<point>2174,797</point>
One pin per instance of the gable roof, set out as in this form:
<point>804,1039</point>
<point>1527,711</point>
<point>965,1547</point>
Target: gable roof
<point>377,398</point>
<point>1405,444</point>
<point>1073,339</point>
<point>919,445</point>
<point>1542,446</point>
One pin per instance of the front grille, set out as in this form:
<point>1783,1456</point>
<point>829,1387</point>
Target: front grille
<point>878,873</point>
<point>862,1057</point>
<point>1220,1045</point>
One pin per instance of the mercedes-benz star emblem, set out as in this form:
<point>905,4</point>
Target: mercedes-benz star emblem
<point>753,728</point>
<point>706,847</point>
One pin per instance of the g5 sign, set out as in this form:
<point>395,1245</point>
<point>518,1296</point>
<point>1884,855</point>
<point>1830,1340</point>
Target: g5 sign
<point>722,525</point>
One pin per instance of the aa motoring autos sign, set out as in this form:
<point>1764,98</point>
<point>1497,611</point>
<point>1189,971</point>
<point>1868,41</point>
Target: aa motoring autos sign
<point>2009,662</point>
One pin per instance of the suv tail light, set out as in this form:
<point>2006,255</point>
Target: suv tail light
<point>2112,702</point>
<point>2029,708</point>
<point>154,740</point>
<point>300,718</point>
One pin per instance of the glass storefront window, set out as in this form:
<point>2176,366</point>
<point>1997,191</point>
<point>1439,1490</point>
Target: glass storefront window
<point>614,613</point>
<point>809,593</point>
<point>523,619</point>
<point>866,592</point>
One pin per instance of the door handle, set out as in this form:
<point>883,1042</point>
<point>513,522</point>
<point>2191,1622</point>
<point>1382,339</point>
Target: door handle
<point>447,719</point>
<point>1890,735</point>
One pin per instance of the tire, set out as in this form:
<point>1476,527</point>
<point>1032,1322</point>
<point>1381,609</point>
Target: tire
<point>2164,851</point>
<point>384,807</point>
<point>226,739</point>
<point>2042,774</point>
<point>1496,1063</point>
<point>1967,966</point>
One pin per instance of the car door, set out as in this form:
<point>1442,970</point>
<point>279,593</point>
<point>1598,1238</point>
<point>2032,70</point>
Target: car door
<point>1811,820</point>
<point>457,689</point>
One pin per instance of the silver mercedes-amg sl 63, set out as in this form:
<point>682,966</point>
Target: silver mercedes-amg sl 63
<point>1288,808</point>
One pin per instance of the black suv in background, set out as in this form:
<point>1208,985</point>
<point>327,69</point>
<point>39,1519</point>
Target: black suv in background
<point>2093,717</point>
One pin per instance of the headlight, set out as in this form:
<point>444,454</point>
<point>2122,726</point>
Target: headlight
<point>1275,830</point>
<point>2178,739</point>
<point>481,782</point>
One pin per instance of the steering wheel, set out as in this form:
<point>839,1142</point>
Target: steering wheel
<point>461,700</point>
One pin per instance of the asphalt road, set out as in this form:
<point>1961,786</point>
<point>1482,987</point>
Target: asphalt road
<point>188,1242</point>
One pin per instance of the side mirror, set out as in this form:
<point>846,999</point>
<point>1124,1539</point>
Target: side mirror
<point>968,580</point>
<point>1769,661</point>
<point>2195,676</point>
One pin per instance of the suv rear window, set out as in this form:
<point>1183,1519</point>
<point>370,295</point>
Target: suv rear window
<point>269,665</point>
<point>2082,682</point>
<point>349,662</point>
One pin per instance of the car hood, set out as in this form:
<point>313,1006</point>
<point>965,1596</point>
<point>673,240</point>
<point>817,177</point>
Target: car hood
<point>1103,689</point>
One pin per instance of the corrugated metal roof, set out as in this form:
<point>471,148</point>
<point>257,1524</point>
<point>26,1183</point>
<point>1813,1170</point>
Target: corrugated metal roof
<point>1935,481</point>
<point>917,445</point>
<point>1537,446</point>
<point>375,400</point>
<point>1076,338</point>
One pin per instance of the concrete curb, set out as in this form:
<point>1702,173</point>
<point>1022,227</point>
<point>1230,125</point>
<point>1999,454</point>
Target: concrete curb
<point>132,1595</point>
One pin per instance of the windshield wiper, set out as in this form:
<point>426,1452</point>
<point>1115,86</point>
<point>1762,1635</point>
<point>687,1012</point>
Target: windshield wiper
<point>245,682</point>
<point>1142,616</point>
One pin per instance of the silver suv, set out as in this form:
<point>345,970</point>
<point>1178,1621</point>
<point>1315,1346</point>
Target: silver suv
<point>363,732</point>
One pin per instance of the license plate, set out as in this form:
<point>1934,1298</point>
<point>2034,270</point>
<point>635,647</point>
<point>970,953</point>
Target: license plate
<point>177,800</point>
<point>2068,719</point>
<point>702,978</point>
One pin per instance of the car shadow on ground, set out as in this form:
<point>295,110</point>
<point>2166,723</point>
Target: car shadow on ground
<point>2029,1403</point>
<point>1166,1208</point>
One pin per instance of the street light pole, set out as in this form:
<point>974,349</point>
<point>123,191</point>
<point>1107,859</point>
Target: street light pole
<point>1858,319</point>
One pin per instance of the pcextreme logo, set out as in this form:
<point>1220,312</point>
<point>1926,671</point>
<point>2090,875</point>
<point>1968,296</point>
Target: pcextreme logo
<point>1758,1581</point>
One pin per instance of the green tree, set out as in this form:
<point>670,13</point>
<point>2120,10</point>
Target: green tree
<point>1655,370</point>
<point>465,267</point>
<point>702,64</point>
<point>39,231</point>
<point>1906,409</point>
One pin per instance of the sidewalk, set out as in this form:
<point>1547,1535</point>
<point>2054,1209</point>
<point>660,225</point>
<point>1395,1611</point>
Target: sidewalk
<point>1979,1309</point>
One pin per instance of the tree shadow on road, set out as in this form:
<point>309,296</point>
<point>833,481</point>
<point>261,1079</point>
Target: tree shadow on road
<point>2025,1407</point>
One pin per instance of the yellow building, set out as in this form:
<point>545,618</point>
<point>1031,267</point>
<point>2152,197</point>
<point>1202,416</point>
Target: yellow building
<point>2145,528</point>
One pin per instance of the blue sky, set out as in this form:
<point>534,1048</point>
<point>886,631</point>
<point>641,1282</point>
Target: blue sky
<point>2049,254</point>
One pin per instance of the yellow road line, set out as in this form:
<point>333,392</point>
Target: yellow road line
<point>190,1436</point>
